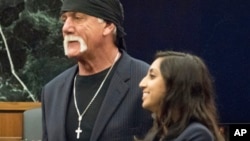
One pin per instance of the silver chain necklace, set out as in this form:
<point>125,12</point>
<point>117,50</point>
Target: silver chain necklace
<point>79,130</point>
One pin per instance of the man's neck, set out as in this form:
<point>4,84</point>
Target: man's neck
<point>98,64</point>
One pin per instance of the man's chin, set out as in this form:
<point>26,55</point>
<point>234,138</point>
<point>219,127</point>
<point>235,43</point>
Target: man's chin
<point>70,54</point>
<point>74,55</point>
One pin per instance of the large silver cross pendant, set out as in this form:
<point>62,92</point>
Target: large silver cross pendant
<point>78,132</point>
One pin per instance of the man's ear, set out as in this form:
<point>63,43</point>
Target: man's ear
<point>109,28</point>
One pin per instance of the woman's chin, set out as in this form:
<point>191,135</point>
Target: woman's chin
<point>145,106</point>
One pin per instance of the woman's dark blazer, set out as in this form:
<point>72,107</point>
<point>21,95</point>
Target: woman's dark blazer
<point>195,132</point>
<point>121,115</point>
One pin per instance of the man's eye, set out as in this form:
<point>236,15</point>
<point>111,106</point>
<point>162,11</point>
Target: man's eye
<point>78,17</point>
<point>62,19</point>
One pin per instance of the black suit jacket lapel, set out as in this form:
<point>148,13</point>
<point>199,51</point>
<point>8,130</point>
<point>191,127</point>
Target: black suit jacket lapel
<point>115,94</point>
<point>63,97</point>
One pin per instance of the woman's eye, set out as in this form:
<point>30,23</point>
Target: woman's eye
<point>151,76</point>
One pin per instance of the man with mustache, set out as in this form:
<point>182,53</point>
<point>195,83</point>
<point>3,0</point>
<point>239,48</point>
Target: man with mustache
<point>98,99</point>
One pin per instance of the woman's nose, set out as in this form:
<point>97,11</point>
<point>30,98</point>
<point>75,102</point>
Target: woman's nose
<point>142,83</point>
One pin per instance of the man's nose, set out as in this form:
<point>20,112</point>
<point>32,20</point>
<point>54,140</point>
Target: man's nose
<point>68,26</point>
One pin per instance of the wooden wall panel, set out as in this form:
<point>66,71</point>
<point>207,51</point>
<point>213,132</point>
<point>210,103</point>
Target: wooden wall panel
<point>11,119</point>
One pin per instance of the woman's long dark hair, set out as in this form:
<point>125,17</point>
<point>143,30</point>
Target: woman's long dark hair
<point>190,96</point>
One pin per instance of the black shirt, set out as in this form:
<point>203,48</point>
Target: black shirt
<point>86,87</point>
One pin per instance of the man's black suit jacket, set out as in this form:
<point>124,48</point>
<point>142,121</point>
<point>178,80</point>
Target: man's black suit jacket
<point>121,115</point>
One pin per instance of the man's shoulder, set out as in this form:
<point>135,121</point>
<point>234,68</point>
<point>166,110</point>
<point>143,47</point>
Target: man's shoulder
<point>134,61</point>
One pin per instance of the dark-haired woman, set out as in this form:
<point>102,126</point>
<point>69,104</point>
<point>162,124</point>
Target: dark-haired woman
<point>178,90</point>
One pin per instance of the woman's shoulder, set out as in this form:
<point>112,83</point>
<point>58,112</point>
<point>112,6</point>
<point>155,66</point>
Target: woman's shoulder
<point>196,132</point>
<point>196,126</point>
